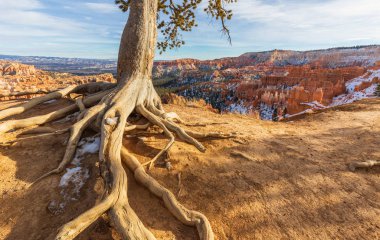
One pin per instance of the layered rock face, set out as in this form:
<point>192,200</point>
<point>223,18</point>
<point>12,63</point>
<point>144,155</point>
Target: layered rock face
<point>362,56</point>
<point>14,68</point>
<point>317,85</point>
<point>25,81</point>
<point>282,89</point>
<point>280,82</point>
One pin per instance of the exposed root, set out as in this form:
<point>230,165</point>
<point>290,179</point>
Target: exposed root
<point>124,218</point>
<point>28,105</point>
<point>76,132</point>
<point>365,164</point>
<point>186,216</point>
<point>57,132</point>
<point>183,135</point>
<point>129,128</point>
<point>172,116</point>
<point>80,104</point>
<point>107,111</point>
<point>73,228</point>
<point>82,108</point>
<point>24,95</point>
<point>242,155</point>
<point>38,130</point>
<point>85,88</point>
<point>156,120</point>
<point>39,120</point>
<point>94,87</point>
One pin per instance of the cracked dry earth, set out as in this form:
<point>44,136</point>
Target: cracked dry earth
<point>286,180</point>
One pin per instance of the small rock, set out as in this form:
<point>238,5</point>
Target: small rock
<point>55,208</point>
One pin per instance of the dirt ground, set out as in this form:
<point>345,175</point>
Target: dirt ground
<point>293,183</point>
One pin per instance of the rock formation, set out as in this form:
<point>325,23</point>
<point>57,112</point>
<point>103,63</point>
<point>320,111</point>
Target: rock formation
<point>14,68</point>
<point>25,81</point>
<point>265,83</point>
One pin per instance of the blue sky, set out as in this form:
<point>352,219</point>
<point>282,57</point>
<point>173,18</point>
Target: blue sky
<point>92,28</point>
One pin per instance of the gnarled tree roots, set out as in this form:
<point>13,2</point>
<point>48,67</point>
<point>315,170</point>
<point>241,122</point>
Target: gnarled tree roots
<point>107,108</point>
<point>366,164</point>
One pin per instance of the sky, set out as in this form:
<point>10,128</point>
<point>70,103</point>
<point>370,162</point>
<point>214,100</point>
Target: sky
<point>92,28</point>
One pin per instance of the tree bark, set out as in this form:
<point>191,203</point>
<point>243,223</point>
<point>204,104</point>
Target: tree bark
<point>138,41</point>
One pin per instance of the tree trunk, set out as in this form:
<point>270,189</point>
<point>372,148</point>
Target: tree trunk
<point>138,41</point>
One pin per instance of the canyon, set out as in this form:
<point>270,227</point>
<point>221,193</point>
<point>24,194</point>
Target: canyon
<point>273,84</point>
<point>270,85</point>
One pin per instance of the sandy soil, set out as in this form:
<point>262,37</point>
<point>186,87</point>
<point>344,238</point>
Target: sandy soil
<point>293,183</point>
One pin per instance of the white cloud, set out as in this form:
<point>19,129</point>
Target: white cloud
<point>102,7</point>
<point>80,28</point>
<point>312,13</point>
<point>22,4</point>
<point>333,21</point>
<point>259,25</point>
<point>54,29</point>
<point>24,18</point>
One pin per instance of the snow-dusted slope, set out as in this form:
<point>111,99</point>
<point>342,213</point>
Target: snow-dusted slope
<point>352,95</point>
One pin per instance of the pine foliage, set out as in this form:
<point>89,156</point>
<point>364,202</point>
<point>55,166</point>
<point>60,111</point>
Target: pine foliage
<point>179,16</point>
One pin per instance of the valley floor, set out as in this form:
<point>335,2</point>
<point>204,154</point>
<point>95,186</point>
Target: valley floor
<point>293,182</point>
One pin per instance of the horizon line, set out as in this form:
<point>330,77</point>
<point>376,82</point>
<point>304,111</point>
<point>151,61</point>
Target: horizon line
<point>276,49</point>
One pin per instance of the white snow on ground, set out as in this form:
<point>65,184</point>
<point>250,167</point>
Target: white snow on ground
<point>266,112</point>
<point>354,96</point>
<point>239,108</point>
<point>300,113</point>
<point>314,105</point>
<point>350,85</point>
<point>351,95</point>
<point>86,146</point>
<point>76,176</point>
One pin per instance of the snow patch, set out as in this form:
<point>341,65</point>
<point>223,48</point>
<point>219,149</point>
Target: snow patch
<point>354,96</point>
<point>112,121</point>
<point>239,108</point>
<point>314,105</point>
<point>351,95</point>
<point>300,113</point>
<point>76,176</point>
<point>266,112</point>
<point>368,77</point>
